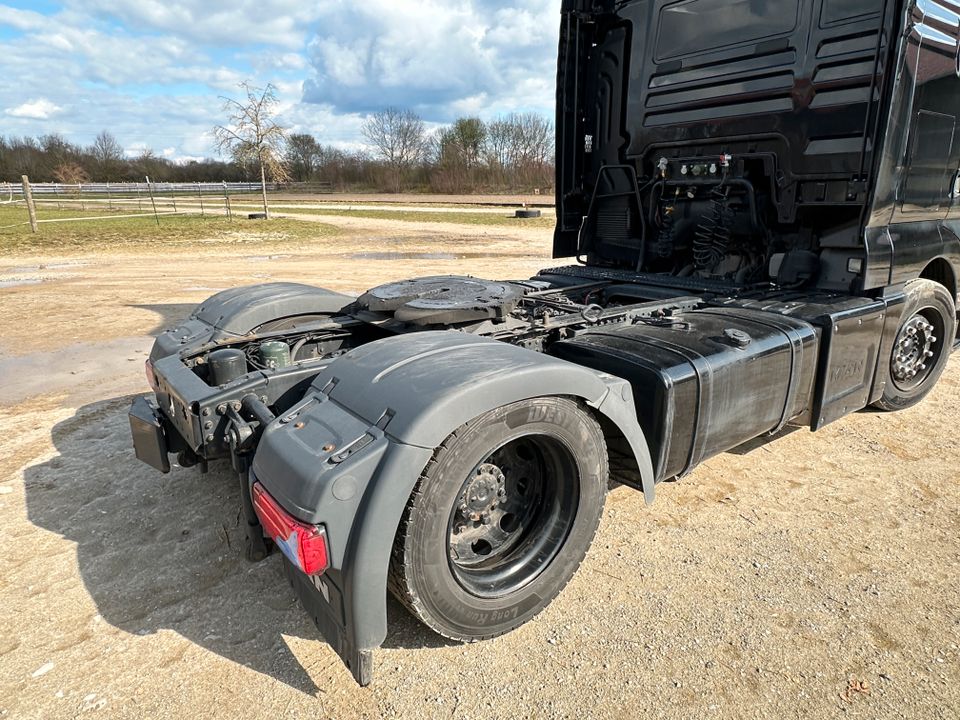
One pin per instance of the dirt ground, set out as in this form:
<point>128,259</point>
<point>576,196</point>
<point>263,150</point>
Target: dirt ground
<point>813,577</point>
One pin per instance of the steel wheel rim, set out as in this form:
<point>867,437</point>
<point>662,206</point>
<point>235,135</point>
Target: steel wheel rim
<point>512,515</point>
<point>917,349</point>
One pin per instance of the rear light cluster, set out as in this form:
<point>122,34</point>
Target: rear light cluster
<point>151,375</point>
<point>304,545</point>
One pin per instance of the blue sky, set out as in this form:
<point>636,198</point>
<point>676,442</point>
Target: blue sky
<point>152,71</point>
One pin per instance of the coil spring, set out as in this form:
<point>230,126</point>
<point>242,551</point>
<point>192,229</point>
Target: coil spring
<point>712,237</point>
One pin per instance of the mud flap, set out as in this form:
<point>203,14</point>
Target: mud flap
<point>323,601</point>
<point>149,439</point>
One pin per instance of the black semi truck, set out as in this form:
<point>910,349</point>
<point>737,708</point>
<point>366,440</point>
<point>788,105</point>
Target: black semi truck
<point>762,200</point>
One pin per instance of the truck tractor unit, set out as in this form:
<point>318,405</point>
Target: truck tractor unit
<point>758,206</point>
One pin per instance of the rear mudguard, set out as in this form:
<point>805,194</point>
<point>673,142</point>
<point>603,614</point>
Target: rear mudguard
<point>238,311</point>
<point>349,455</point>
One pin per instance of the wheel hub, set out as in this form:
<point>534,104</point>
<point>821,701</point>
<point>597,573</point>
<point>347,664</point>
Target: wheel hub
<point>913,349</point>
<point>482,494</point>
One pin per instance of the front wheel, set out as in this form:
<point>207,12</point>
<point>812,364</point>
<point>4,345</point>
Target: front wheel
<point>501,518</point>
<point>922,346</point>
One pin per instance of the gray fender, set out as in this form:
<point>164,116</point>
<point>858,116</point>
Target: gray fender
<point>418,388</point>
<point>238,311</point>
<point>433,382</point>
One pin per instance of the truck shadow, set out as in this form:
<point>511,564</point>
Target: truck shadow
<point>171,315</point>
<point>166,551</point>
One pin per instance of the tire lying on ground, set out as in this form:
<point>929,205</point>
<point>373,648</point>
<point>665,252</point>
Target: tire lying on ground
<point>501,518</point>
<point>257,216</point>
<point>527,214</point>
<point>922,347</point>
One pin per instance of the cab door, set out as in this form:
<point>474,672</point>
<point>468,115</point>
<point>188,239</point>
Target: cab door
<point>931,76</point>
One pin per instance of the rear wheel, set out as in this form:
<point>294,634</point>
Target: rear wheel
<point>501,518</point>
<point>922,346</point>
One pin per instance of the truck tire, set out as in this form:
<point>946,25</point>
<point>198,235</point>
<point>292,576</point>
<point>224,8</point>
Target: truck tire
<point>922,346</point>
<point>501,518</point>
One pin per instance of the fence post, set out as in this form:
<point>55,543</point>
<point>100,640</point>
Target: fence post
<point>56,189</point>
<point>28,196</point>
<point>200,195</point>
<point>83,205</point>
<point>150,190</point>
<point>226,201</point>
<point>139,204</point>
<point>109,198</point>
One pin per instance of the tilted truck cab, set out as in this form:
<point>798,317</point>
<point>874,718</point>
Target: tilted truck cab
<point>762,201</point>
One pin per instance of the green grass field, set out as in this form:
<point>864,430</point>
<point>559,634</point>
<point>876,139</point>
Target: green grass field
<point>104,229</point>
<point>109,232</point>
<point>414,216</point>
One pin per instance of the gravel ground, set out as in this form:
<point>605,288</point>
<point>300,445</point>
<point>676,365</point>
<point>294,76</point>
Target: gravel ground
<point>815,576</point>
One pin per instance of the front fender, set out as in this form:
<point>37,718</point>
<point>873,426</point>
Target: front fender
<point>398,399</point>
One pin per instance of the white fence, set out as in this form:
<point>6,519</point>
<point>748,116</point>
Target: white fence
<point>146,199</point>
<point>11,190</point>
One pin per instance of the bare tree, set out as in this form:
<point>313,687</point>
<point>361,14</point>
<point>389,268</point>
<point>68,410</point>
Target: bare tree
<point>107,154</point>
<point>302,156</point>
<point>534,139</point>
<point>398,138</point>
<point>497,145</point>
<point>70,173</point>
<point>253,136</point>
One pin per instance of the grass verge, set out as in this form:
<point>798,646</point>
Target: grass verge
<point>414,216</point>
<point>108,232</point>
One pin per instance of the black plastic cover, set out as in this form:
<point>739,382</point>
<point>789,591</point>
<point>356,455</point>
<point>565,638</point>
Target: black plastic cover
<point>149,442</point>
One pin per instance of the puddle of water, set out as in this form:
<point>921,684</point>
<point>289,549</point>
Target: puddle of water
<point>84,370</point>
<point>15,282</point>
<point>46,266</point>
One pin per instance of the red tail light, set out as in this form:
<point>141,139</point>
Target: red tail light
<point>304,545</point>
<point>151,375</point>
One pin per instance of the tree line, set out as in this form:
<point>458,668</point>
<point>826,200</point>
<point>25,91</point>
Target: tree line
<point>52,158</point>
<point>512,153</point>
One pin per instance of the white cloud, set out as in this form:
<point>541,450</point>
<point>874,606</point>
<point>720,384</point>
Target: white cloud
<point>151,72</point>
<point>21,19</point>
<point>231,23</point>
<point>439,58</point>
<point>41,109</point>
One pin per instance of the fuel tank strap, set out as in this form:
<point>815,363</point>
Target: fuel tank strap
<point>790,330</point>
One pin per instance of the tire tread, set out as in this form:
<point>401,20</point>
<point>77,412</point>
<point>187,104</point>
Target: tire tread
<point>397,581</point>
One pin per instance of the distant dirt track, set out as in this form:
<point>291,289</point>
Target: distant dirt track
<point>545,200</point>
<point>812,577</point>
